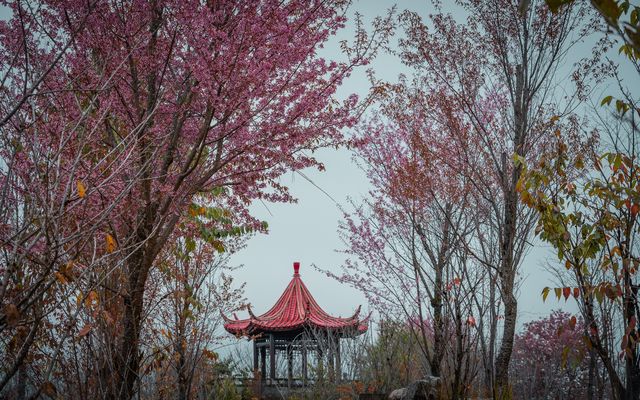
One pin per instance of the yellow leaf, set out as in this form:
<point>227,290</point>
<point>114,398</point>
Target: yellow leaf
<point>61,278</point>
<point>210,354</point>
<point>558,292</point>
<point>615,251</point>
<point>565,356</point>
<point>545,293</point>
<point>110,242</point>
<point>81,189</point>
<point>519,185</point>
<point>218,246</point>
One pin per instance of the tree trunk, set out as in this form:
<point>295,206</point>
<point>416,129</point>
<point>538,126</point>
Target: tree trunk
<point>507,277</point>
<point>129,357</point>
<point>126,360</point>
<point>506,346</point>
<point>592,373</point>
<point>507,270</point>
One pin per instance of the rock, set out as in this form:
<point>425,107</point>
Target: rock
<point>424,389</point>
<point>398,394</point>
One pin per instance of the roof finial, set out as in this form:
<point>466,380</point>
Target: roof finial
<point>296,268</point>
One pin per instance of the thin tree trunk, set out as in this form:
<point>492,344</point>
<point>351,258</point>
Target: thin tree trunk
<point>508,265</point>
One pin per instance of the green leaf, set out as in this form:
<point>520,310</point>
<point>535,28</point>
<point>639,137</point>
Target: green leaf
<point>609,9</point>
<point>599,295</point>
<point>190,244</point>
<point>554,5</point>
<point>518,159</point>
<point>606,100</point>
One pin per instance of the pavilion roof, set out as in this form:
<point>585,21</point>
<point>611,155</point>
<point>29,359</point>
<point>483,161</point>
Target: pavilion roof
<point>295,309</point>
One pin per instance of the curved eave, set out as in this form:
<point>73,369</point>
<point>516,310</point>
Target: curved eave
<point>253,327</point>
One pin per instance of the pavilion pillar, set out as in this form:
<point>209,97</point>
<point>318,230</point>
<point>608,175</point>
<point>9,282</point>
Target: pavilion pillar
<point>289,365</point>
<point>320,364</point>
<point>330,344</point>
<point>272,357</point>
<point>255,357</point>
<point>263,363</point>
<point>304,364</point>
<point>338,361</point>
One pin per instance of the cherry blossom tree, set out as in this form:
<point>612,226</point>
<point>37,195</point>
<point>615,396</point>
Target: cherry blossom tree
<point>116,117</point>
<point>406,241</point>
<point>550,359</point>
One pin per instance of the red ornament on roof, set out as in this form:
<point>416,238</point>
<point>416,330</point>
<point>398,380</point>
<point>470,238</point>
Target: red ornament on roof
<point>296,309</point>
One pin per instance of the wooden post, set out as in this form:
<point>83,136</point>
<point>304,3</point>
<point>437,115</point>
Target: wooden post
<point>272,357</point>
<point>330,359</point>
<point>289,365</point>
<point>255,357</point>
<point>320,365</point>
<point>304,364</point>
<point>263,362</point>
<point>338,361</point>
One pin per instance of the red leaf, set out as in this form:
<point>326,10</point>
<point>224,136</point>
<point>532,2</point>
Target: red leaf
<point>634,209</point>
<point>576,292</point>
<point>49,389</point>
<point>610,292</point>
<point>12,314</point>
<point>85,330</point>
<point>572,322</point>
<point>566,292</point>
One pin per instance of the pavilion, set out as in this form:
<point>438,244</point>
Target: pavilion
<point>296,328</point>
